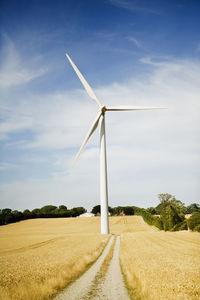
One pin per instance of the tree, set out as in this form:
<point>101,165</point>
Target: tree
<point>171,211</point>
<point>17,215</point>
<point>96,209</point>
<point>62,207</point>
<point>76,211</point>
<point>27,214</point>
<point>171,217</point>
<point>6,211</point>
<point>48,209</point>
<point>194,207</point>
<point>194,222</point>
<point>128,210</point>
<point>152,210</point>
<point>36,213</point>
<point>81,210</point>
<point>6,216</point>
<point>166,199</point>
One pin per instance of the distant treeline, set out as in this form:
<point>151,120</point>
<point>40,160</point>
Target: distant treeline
<point>168,215</point>
<point>8,215</point>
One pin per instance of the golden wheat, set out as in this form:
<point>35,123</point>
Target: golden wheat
<point>119,225</point>
<point>161,265</point>
<point>39,257</point>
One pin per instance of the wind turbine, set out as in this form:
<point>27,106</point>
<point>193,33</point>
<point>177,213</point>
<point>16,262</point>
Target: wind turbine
<point>103,159</point>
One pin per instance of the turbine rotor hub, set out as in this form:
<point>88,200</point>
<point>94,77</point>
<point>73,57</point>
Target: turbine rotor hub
<point>103,109</point>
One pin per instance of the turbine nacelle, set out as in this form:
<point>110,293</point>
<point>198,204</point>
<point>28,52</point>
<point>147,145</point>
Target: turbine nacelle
<point>103,110</point>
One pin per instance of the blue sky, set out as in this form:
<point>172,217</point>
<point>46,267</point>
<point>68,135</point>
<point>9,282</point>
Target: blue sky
<point>131,53</point>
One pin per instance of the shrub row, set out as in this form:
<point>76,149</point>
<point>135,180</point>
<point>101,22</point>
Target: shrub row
<point>149,218</point>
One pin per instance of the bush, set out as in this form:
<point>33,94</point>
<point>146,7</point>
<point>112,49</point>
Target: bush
<point>152,210</point>
<point>197,228</point>
<point>194,221</point>
<point>180,226</point>
<point>148,217</point>
<point>158,222</point>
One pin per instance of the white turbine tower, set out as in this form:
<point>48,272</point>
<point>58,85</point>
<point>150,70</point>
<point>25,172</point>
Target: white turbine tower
<point>103,163</point>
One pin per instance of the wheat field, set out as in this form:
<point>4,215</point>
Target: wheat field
<point>39,257</point>
<point>161,265</point>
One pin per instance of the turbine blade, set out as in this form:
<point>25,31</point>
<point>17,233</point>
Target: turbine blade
<point>90,132</point>
<point>124,108</point>
<point>84,82</point>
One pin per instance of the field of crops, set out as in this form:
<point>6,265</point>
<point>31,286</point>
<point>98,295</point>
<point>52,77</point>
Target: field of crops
<point>39,257</point>
<point>161,265</point>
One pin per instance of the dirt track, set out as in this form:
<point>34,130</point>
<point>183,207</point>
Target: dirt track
<point>111,286</point>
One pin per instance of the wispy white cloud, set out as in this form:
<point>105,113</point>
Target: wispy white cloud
<point>135,5</point>
<point>11,77</point>
<point>135,41</point>
<point>14,71</point>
